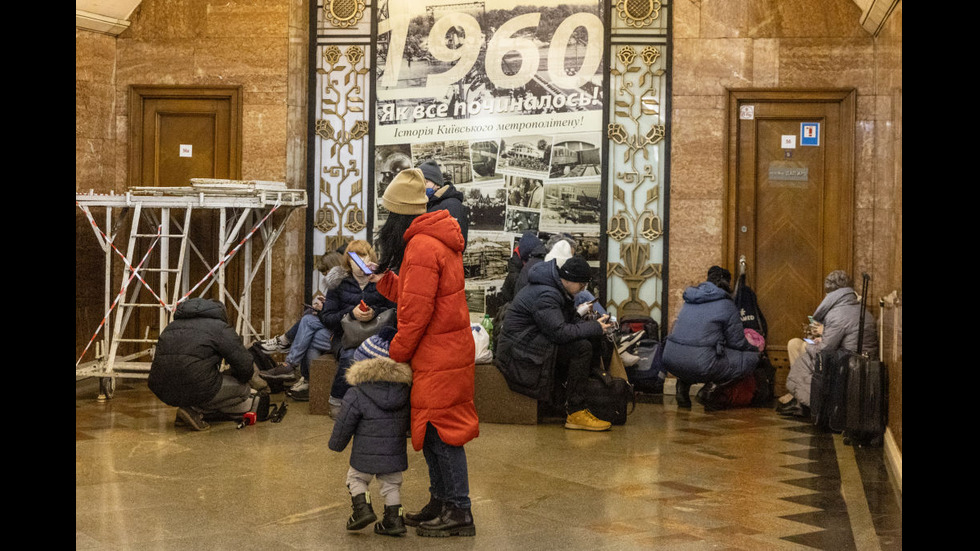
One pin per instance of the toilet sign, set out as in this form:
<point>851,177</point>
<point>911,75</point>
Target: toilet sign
<point>810,133</point>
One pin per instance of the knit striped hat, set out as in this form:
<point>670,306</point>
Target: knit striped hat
<point>375,346</point>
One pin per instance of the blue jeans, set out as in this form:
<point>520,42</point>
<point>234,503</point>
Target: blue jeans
<point>448,477</point>
<point>309,334</point>
<point>345,357</point>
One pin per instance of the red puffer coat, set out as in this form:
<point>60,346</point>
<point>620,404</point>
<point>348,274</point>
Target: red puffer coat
<point>434,334</point>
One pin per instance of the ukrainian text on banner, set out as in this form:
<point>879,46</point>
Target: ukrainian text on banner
<point>506,97</point>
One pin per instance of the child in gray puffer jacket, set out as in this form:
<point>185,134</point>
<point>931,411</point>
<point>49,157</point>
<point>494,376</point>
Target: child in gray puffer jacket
<point>375,413</point>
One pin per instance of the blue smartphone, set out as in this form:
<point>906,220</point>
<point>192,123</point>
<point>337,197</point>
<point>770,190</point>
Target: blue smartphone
<point>809,341</point>
<point>360,263</point>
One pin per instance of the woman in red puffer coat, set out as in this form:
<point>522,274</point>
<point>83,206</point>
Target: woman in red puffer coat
<point>421,271</point>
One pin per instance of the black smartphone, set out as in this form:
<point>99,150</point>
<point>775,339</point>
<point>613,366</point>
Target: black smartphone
<point>360,263</point>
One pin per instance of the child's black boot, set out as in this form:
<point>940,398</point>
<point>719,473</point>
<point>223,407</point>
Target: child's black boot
<point>363,512</point>
<point>393,523</point>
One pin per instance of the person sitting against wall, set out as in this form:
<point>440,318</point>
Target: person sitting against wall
<point>443,195</point>
<point>544,342</point>
<point>308,338</point>
<point>836,322</point>
<point>344,302</point>
<point>186,368</point>
<point>707,343</point>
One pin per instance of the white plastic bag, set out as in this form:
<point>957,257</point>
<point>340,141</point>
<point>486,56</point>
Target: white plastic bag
<point>482,341</point>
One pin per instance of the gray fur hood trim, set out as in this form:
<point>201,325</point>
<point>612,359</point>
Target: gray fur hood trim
<point>334,277</point>
<point>374,370</point>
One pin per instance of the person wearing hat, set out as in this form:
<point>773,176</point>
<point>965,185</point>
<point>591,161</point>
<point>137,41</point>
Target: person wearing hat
<point>421,271</point>
<point>375,414</point>
<point>444,196</point>
<point>707,343</point>
<point>544,342</point>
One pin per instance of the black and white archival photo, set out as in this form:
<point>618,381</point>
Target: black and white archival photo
<point>571,207</point>
<point>578,156</point>
<point>483,155</point>
<point>487,205</point>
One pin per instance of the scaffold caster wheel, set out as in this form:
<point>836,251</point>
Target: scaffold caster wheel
<point>107,385</point>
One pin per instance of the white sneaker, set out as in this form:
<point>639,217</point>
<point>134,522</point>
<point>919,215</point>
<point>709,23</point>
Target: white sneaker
<point>275,344</point>
<point>629,340</point>
<point>301,384</point>
<point>629,360</point>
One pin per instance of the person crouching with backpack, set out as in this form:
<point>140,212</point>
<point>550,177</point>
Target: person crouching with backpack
<point>375,413</point>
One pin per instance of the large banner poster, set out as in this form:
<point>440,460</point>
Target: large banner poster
<point>507,98</point>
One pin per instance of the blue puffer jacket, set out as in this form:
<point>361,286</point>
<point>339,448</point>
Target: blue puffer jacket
<point>707,343</point>
<point>346,296</point>
<point>375,412</point>
<point>540,319</point>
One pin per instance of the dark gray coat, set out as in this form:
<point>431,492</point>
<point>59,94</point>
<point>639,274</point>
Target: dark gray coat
<point>189,351</point>
<point>707,342</point>
<point>376,412</point>
<point>541,318</point>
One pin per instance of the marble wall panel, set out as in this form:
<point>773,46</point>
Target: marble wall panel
<point>697,159</point>
<point>827,63</point>
<point>711,66</point>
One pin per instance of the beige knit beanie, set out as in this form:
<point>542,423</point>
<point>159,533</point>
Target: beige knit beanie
<point>406,193</point>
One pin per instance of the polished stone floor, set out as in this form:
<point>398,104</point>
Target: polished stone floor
<point>743,479</point>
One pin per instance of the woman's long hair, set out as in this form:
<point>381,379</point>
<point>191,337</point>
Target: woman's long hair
<point>391,241</point>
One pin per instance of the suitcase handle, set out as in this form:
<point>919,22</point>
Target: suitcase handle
<point>864,306</point>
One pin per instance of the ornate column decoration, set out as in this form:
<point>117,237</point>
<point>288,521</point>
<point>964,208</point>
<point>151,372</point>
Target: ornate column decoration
<point>637,154</point>
<point>341,122</point>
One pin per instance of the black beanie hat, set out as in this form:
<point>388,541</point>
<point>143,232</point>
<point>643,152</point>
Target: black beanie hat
<point>432,172</point>
<point>575,269</point>
<point>718,274</point>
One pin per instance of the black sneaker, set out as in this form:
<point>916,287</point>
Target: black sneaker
<point>280,372</point>
<point>192,418</point>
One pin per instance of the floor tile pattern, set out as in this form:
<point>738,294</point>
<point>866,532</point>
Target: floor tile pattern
<point>671,478</point>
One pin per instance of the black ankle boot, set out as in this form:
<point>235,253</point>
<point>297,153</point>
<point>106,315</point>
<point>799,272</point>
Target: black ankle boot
<point>682,394</point>
<point>393,523</point>
<point>363,512</point>
<point>431,511</point>
<point>454,521</point>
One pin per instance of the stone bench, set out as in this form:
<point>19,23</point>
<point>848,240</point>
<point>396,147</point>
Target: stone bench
<point>495,402</point>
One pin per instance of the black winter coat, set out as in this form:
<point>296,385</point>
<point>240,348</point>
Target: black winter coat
<point>541,318</point>
<point>189,351</point>
<point>376,412</point>
<point>346,296</point>
<point>528,243</point>
<point>449,198</point>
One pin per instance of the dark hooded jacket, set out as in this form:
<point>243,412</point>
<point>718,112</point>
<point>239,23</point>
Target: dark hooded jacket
<point>376,413</point>
<point>529,242</point>
<point>189,351</point>
<point>540,319</point>
<point>447,197</point>
<point>707,342</point>
<point>346,296</point>
<point>534,256</point>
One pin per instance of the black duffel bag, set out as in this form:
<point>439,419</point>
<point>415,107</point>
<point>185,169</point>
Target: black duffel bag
<point>609,398</point>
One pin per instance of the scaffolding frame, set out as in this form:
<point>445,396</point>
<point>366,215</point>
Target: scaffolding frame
<point>251,214</point>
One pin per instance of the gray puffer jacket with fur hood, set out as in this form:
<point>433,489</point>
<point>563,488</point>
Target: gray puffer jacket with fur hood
<point>375,412</point>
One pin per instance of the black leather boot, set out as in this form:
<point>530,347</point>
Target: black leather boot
<point>393,523</point>
<point>454,521</point>
<point>363,512</point>
<point>431,511</point>
<point>682,394</point>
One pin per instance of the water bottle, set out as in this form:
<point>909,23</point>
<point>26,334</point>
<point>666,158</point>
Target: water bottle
<point>487,325</point>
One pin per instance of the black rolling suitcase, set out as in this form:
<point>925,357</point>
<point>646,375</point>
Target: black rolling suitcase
<point>867,391</point>
<point>828,390</point>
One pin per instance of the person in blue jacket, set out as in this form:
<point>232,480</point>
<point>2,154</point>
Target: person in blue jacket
<point>375,414</point>
<point>707,343</point>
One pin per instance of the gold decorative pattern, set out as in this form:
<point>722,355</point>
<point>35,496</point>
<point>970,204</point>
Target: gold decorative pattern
<point>638,13</point>
<point>343,13</point>
<point>635,131</point>
<point>341,129</point>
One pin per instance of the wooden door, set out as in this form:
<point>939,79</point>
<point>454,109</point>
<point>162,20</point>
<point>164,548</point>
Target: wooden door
<point>790,201</point>
<point>179,133</point>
